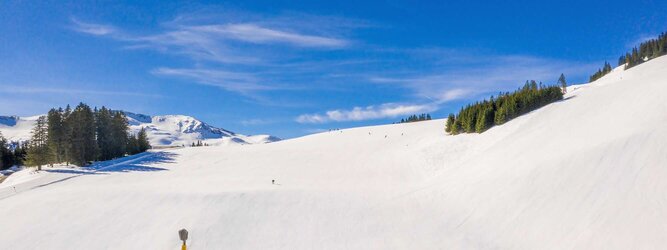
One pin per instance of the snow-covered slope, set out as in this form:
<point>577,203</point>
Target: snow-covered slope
<point>179,130</point>
<point>15,128</point>
<point>167,130</point>
<point>585,173</point>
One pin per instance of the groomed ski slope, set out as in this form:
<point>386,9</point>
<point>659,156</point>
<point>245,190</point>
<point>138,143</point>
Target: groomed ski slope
<point>589,172</point>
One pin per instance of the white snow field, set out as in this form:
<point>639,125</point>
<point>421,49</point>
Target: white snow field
<point>589,172</point>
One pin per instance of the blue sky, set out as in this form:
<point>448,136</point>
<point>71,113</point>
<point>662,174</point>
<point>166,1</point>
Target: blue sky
<point>290,68</point>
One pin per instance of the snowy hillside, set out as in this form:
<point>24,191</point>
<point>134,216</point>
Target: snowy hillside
<point>587,172</point>
<point>167,130</point>
<point>16,128</point>
<point>178,130</point>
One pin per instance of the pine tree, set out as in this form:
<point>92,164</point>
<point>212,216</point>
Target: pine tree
<point>486,119</point>
<point>6,156</point>
<point>562,83</point>
<point>19,155</point>
<point>38,150</point>
<point>67,137</point>
<point>119,129</point>
<point>450,123</point>
<point>456,126</point>
<point>84,147</point>
<point>480,125</point>
<point>501,115</point>
<point>56,135</point>
<point>132,145</point>
<point>142,141</point>
<point>105,136</point>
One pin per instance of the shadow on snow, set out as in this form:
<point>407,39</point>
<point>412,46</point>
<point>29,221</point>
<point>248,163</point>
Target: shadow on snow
<point>141,164</point>
<point>133,163</point>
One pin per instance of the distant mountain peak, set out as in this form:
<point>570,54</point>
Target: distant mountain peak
<point>162,130</point>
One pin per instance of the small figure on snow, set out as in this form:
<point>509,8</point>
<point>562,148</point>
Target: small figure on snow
<point>273,182</point>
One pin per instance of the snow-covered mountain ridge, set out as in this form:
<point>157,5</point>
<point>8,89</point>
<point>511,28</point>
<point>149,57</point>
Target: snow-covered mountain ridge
<point>16,128</point>
<point>163,131</point>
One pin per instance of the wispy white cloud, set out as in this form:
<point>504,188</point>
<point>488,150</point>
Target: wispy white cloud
<point>387,110</point>
<point>452,94</point>
<point>245,56</point>
<point>483,75</point>
<point>250,32</point>
<point>195,45</point>
<point>248,85</point>
<point>232,81</point>
<point>217,42</point>
<point>92,28</point>
<point>256,54</point>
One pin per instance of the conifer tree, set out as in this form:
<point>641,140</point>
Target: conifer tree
<point>485,117</point>
<point>456,127</point>
<point>119,129</point>
<point>38,150</point>
<point>450,123</point>
<point>132,145</point>
<point>480,124</point>
<point>501,115</point>
<point>19,154</point>
<point>562,83</point>
<point>105,136</point>
<point>56,135</point>
<point>142,141</point>
<point>6,156</point>
<point>84,145</point>
<point>67,137</point>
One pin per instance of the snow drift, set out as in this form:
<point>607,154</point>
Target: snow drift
<point>587,172</point>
